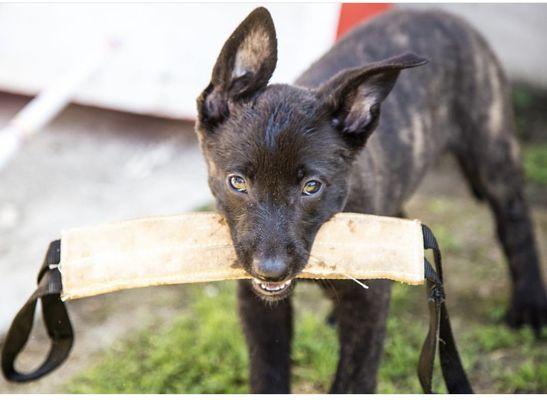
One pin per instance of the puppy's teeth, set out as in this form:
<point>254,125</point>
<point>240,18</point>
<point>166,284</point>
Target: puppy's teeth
<point>271,287</point>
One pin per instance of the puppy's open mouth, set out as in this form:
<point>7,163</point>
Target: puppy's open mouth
<point>273,290</point>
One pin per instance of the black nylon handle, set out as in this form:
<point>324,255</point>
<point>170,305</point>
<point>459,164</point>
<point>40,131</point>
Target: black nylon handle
<point>55,317</point>
<point>440,332</point>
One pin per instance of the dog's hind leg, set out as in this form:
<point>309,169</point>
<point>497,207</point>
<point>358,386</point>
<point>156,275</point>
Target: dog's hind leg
<point>488,153</point>
<point>361,316</point>
<point>268,330</point>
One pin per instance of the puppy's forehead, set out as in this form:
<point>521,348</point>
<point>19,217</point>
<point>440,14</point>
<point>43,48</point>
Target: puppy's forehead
<point>292,99</point>
<point>281,127</point>
<point>277,110</point>
<point>287,122</point>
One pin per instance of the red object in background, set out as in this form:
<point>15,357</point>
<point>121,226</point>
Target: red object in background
<point>352,14</point>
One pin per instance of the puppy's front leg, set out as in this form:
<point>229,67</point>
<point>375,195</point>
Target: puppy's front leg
<point>268,329</point>
<point>361,316</point>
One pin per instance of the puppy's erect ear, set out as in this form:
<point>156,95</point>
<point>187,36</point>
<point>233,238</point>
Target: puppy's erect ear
<point>353,97</point>
<point>245,65</point>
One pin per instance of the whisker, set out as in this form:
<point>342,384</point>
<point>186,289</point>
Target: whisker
<point>346,275</point>
<point>355,280</point>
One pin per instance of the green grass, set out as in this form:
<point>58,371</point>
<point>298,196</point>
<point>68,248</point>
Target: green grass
<point>200,352</point>
<point>203,351</point>
<point>523,101</point>
<point>535,163</point>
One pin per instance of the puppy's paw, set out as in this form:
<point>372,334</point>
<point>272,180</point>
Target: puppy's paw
<point>528,307</point>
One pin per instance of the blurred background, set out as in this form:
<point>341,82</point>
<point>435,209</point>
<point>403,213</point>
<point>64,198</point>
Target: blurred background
<point>124,78</point>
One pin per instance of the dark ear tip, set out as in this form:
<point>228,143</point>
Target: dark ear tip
<point>261,10</point>
<point>260,16</point>
<point>260,13</point>
<point>410,60</point>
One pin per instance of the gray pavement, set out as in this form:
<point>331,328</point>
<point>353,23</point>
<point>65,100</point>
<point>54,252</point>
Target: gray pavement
<point>89,166</point>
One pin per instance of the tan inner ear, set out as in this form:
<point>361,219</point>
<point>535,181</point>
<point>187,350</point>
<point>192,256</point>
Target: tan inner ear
<point>365,98</point>
<point>252,52</point>
<point>368,93</point>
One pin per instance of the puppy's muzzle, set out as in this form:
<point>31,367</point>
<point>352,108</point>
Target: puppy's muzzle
<point>273,269</point>
<point>270,276</point>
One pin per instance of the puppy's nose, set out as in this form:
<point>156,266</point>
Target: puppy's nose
<point>274,268</point>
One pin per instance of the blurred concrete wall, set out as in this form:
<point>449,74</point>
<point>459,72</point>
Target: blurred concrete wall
<point>165,55</point>
<point>168,50</point>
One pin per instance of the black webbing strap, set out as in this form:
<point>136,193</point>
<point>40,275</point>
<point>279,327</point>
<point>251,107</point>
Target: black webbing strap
<point>440,331</point>
<point>55,318</point>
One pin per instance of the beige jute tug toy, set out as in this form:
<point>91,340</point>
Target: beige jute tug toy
<point>196,247</point>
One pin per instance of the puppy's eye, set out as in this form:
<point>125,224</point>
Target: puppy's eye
<point>238,183</point>
<point>311,187</point>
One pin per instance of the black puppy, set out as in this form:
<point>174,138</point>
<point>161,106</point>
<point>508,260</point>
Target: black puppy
<point>284,159</point>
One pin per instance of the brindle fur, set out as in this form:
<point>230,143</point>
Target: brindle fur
<point>277,135</point>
